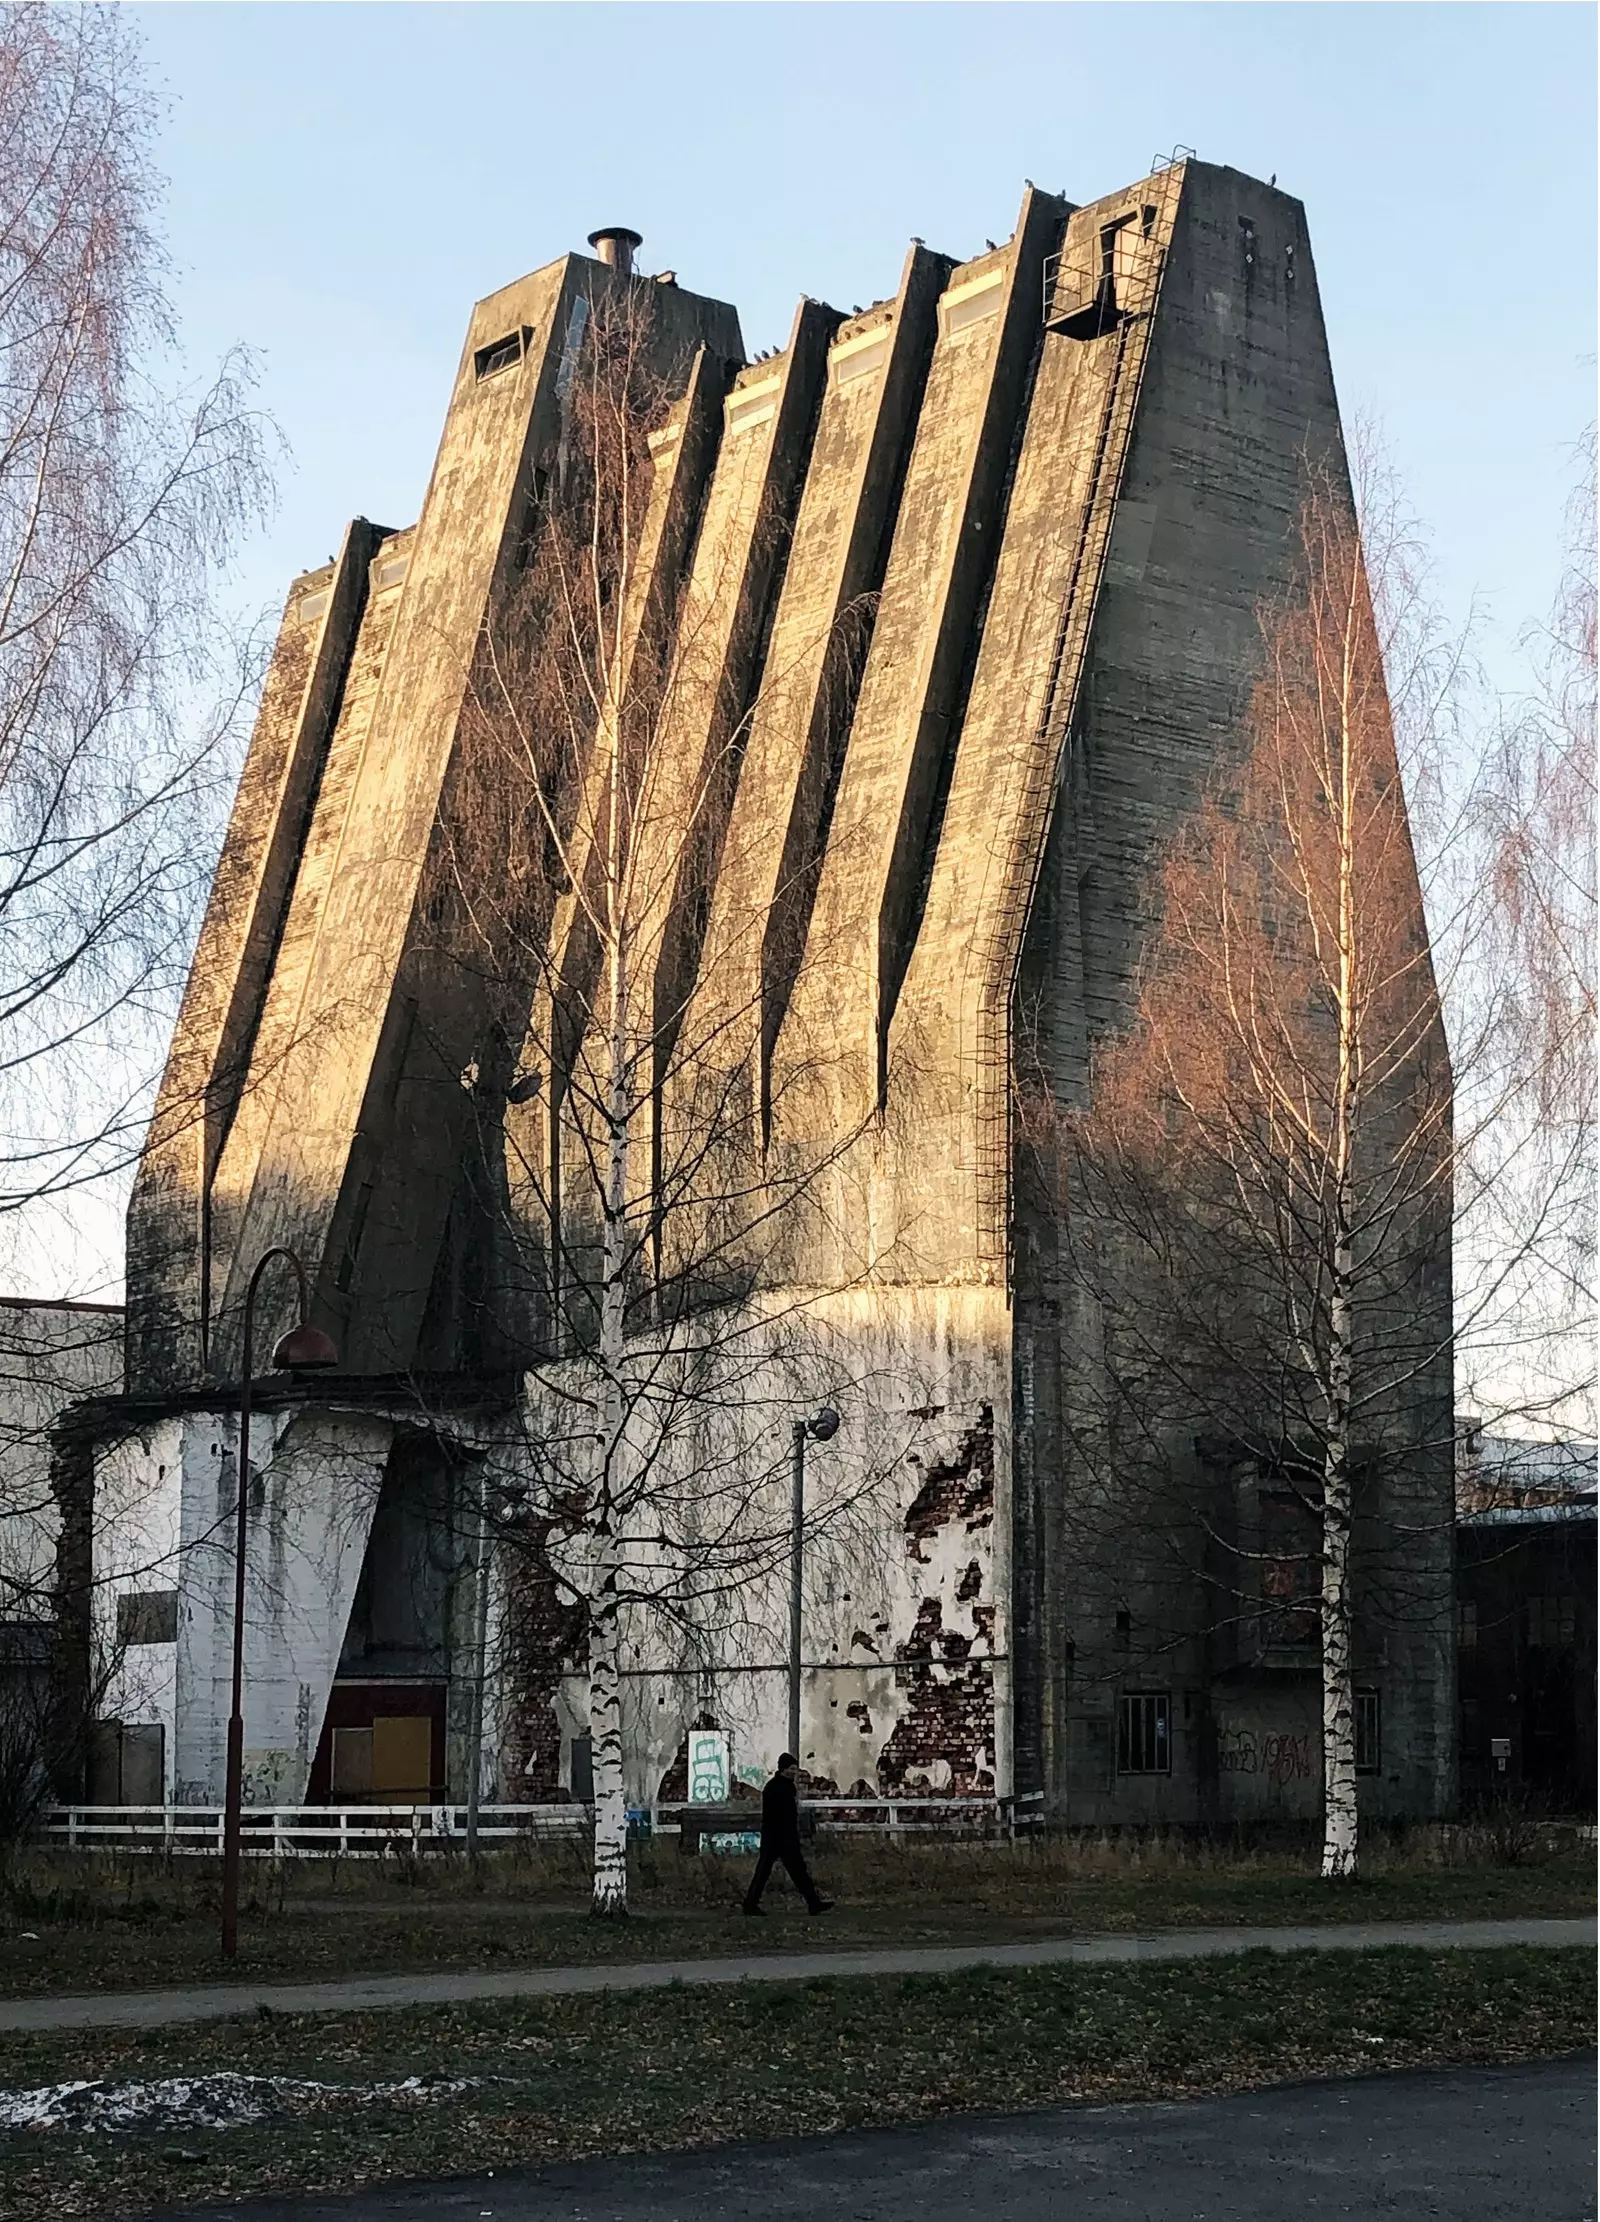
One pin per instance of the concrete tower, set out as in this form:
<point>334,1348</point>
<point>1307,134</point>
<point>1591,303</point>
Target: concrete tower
<point>1049,488</point>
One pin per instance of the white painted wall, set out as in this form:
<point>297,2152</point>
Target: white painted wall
<point>167,1519</point>
<point>910,1371</point>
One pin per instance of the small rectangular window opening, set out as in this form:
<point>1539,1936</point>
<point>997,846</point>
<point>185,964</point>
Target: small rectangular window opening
<point>500,354</point>
<point>1147,220</point>
<point>352,1247</point>
<point>1144,1732</point>
<point>150,1616</point>
<point>1108,248</point>
<point>1369,1733</point>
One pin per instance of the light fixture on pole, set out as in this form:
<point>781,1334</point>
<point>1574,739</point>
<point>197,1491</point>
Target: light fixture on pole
<point>304,1349</point>
<point>820,1429</point>
<point>493,1507</point>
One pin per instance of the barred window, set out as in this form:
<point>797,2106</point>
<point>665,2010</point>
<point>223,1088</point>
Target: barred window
<point>1144,1733</point>
<point>1369,1733</point>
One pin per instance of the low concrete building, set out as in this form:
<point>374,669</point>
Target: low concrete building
<point>1525,1589</point>
<point>53,1355</point>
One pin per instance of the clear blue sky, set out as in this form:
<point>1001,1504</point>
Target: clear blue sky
<point>347,179</point>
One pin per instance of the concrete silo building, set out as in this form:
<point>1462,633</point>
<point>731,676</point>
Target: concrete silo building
<point>1053,484</point>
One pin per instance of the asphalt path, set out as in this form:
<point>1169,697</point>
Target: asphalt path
<point>372,1993</point>
<point>1454,2145</point>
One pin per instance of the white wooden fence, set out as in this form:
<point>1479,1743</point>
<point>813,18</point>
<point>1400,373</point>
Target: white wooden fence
<point>307,1831</point>
<point>394,1831</point>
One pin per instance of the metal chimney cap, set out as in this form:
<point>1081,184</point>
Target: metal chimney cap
<point>615,244</point>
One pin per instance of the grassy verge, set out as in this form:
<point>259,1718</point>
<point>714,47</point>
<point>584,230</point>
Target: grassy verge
<point>100,1927</point>
<point>560,2078</point>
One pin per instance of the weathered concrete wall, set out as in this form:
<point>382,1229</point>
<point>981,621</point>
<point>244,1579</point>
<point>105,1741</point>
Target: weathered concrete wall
<point>1237,393</point>
<point>284,1054</point>
<point>528,1263</point>
<point>951,1158</point>
<point>906,1556</point>
<point>382,1038</point>
<point>698,744</point>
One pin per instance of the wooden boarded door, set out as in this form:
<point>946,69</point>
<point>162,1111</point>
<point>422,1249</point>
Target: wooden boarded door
<point>402,1758</point>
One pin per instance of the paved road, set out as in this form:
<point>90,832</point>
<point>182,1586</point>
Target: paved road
<point>1457,2145</point>
<point>154,2009</point>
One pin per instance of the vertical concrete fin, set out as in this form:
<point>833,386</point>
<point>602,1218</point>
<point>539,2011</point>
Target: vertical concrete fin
<point>974,551</point>
<point>687,774</point>
<point>168,1273</point>
<point>948,520</point>
<point>282,1049</point>
<point>1100,314</point>
<point>683,452</point>
<point>877,371</point>
<point>358,1167</point>
<point>740,564</point>
<point>422,1270</point>
<point>476,500</point>
<point>821,623</point>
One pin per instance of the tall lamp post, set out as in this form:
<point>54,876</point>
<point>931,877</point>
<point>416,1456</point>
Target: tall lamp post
<point>492,1508</point>
<point>304,1349</point>
<point>821,1429</point>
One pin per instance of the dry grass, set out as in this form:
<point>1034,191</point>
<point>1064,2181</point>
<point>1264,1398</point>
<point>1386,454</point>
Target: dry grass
<point>108,1922</point>
<point>878,1867</point>
<point>559,2078</point>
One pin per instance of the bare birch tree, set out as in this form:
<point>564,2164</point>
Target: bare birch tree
<point>1523,888</point>
<point>1260,1190</point>
<point>120,495</point>
<point>624,1169</point>
<point>117,680</point>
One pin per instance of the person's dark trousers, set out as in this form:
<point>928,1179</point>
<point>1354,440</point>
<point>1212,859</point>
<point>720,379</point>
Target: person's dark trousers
<point>799,1874</point>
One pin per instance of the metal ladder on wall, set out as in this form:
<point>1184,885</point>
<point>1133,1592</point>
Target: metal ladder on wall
<point>1045,772</point>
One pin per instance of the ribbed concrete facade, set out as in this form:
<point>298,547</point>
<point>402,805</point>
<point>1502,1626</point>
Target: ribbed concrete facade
<point>986,560</point>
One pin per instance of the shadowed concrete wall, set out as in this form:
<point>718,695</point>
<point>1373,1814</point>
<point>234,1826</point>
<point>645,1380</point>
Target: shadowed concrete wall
<point>355,1163</point>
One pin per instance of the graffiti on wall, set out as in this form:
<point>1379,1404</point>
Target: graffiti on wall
<point>708,1766</point>
<point>1279,1756</point>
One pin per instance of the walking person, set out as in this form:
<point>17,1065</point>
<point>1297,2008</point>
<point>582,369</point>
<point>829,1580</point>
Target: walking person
<point>780,1839</point>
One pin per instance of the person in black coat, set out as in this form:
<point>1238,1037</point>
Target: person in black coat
<point>780,1839</point>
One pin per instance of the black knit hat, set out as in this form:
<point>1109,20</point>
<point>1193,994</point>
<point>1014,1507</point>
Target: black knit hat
<point>786,1759</point>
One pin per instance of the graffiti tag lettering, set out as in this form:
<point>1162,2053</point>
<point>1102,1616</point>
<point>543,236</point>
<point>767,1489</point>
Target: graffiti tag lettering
<point>1280,1757</point>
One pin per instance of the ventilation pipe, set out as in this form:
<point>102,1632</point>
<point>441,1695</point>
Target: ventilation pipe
<point>615,245</point>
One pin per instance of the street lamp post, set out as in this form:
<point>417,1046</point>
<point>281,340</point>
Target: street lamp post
<point>489,1512</point>
<point>820,1429</point>
<point>302,1350</point>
